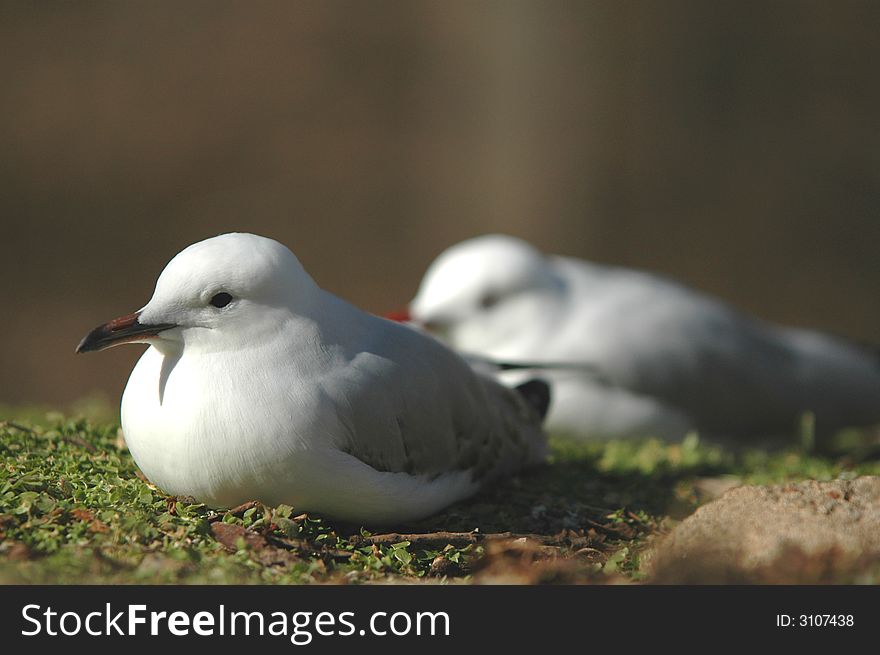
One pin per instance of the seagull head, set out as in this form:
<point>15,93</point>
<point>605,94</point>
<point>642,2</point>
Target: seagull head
<point>218,293</point>
<point>471,288</point>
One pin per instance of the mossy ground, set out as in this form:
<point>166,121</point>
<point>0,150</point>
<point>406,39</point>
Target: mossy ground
<point>74,509</point>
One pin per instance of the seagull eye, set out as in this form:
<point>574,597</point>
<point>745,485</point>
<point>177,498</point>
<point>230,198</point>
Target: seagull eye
<point>221,299</point>
<point>489,300</point>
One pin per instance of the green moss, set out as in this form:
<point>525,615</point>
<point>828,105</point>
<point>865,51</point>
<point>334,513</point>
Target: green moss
<point>73,509</point>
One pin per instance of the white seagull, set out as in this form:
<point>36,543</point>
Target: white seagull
<point>259,385</point>
<point>629,353</point>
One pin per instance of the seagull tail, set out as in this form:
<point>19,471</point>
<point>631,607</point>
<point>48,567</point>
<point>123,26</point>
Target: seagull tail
<point>537,394</point>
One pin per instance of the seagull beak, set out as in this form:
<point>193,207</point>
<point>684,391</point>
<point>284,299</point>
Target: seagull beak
<point>125,329</point>
<point>399,316</point>
<point>432,326</point>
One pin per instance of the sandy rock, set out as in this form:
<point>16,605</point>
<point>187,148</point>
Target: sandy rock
<point>805,532</point>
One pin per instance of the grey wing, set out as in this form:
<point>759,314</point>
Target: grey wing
<point>412,405</point>
<point>733,373</point>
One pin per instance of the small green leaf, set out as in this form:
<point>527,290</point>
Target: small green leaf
<point>402,555</point>
<point>283,511</point>
<point>288,527</point>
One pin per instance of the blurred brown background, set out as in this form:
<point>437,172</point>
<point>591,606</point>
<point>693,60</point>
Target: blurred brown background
<point>733,145</point>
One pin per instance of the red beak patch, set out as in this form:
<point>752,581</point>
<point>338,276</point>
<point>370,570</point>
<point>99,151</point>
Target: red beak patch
<point>401,316</point>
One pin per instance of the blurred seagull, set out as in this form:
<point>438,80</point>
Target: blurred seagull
<point>259,385</point>
<point>629,353</point>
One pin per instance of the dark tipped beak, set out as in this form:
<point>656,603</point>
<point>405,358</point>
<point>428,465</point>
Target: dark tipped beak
<point>124,329</point>
<point>400,316</point>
